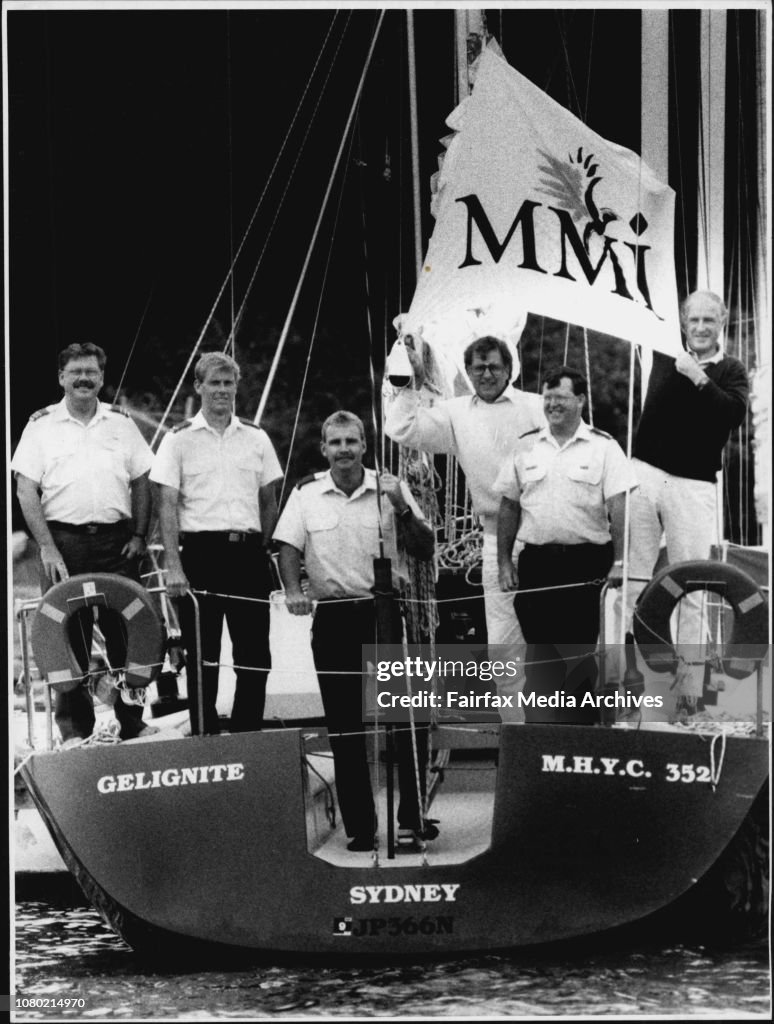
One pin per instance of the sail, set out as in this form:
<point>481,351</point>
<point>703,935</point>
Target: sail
<point>535,210</point>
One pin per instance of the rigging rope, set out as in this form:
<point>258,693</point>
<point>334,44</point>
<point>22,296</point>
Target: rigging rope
<point>286,328</point>
<point>242,243</point>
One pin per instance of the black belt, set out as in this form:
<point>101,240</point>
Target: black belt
<point>122,524</point>
<point>227,536</point>
<point>566,549</point>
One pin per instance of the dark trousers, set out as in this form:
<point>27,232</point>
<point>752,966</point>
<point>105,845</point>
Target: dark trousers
<point>84,553</point>
<point>240,568</point>
<point>339,631</point>
<point>561,626</point>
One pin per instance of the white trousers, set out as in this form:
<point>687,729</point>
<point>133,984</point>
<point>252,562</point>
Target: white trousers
<point>685,513</point>
<point>502,626</point>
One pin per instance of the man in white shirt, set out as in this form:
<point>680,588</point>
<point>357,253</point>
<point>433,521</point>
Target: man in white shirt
<point>481,430</point>
<point>563,495</point>
<point>82,481</point>
<point>218,511</point>
<point>334,520</point>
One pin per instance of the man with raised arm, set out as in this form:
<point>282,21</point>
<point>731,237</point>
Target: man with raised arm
<point>481,430</point>
<point>333,520</point>
<point>692,405</point>
<point>217,476</point>
<point>82,481</point>
<point>563,495</point>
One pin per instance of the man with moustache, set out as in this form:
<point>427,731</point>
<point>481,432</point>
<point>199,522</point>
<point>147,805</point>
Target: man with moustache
<point>333,520</point>
<point>480,430</point>
<point>692,405</point>
<point>218,508</point>
<point>82,481</point>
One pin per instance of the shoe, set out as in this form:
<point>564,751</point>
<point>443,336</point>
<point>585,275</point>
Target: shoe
<point>361,844</point>
<point>416,839</point>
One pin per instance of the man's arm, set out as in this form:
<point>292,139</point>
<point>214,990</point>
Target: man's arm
<point>141,512</point>
<point>29,499</point>
<point>177,583</point>
<point>415,535</point>
<point>296,601</point>
<point>616,511</point>
<point>417,426</point>
<point>267,496</point>
<point>508,519</point>
<point>725,399</point>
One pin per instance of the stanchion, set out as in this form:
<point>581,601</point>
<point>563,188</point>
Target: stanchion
<point>384,602</point>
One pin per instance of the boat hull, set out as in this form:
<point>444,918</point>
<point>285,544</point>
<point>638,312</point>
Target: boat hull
<point>592,828</point>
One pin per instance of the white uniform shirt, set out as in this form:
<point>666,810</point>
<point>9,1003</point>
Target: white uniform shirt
<point>562,490</point>
<point>83,469</point>
<point>339,535</point>
<point>481,434</point>
<point>218,476</point>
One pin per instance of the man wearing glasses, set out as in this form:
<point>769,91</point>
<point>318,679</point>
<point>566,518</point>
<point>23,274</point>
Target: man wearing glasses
<point>481,430</point>
<point>82,481</point>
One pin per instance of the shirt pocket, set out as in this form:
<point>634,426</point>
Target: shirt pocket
<point>321,523</point>
<point>586,482</point>
<point>587,473</point>
<point>198,467</point>
<point>532,471</point>
<point>63,465</point>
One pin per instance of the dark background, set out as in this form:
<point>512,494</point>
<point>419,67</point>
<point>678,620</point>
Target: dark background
<point>141,141</point>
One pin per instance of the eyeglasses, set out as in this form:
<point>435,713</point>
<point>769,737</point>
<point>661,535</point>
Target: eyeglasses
<point>479,371</point>
<point>83,373</point>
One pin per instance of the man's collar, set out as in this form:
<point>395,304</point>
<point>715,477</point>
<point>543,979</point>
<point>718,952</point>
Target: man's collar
<point>508,395</point>
<point>61,412</point>
<point>583,433</point>
<point>199,422</point>
<point>368,483</point>
<point>714,358</point>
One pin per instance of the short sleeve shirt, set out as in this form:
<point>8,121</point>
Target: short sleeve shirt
<point>338,535</point>
<point>217,476</point>
<point>563,489</point>
<point>84,470</point>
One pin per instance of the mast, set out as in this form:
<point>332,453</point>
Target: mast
<point>712,61</point>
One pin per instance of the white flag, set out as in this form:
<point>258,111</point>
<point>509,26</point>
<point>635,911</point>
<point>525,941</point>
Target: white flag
<point>534,208</point>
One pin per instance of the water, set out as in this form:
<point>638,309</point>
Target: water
<point>66,952</point>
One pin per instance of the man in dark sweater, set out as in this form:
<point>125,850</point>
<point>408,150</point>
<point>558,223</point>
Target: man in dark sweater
<point>692,404</point>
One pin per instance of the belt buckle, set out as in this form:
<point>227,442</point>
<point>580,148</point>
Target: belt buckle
<point>91,527</point>
<point>234,536</point>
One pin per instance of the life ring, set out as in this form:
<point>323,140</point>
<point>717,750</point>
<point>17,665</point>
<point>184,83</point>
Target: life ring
<point>146,636</point>
<point>749,639</point>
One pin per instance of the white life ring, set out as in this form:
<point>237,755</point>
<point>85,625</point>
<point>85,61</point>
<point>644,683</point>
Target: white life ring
<point>146,636</point>
<point>749,640</point>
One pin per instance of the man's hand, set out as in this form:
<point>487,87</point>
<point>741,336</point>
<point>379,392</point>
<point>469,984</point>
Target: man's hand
<point>416,361</point>
<point>391,488</point>
<point>615,575</point>
<point>297,603</point>
<point>508,579</point>
<point>177,583</point>
<point>53,564</point>
<point>687,364</point>
<point>134,547</point>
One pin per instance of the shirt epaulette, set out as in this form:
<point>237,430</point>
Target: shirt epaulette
<point>602,433</point>
<point>39,414</point>
<point>308,480</point>
<point>181,426</point>
<point>248,423</point>
<point>121,410</point>
<point>535,430</point>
